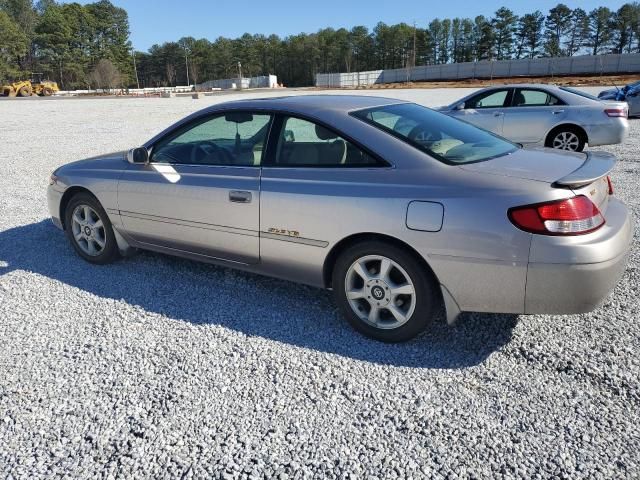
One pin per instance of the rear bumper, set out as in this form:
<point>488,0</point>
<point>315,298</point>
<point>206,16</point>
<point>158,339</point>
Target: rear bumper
<point>569,275</point>
<point>610,133</point>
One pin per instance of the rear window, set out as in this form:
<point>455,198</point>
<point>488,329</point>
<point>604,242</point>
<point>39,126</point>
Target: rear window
<point>447,139</point>
<point>580,92</point>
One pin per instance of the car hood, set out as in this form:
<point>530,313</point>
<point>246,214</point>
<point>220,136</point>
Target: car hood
<point>107,161</point>
<point>540,164</point>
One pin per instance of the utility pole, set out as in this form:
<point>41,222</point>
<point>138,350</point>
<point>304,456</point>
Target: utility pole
<point>412,62</point>
<point>414,44</point>
<point>240,75</point>
<point>135,68</point>
<point>186,64</point>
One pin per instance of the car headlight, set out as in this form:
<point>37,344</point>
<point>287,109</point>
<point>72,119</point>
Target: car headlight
<point>53,179</point>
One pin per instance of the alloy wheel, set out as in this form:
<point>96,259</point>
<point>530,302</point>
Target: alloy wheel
<point>380,292</point>
<point>88,230</point>
<point>566,141</point>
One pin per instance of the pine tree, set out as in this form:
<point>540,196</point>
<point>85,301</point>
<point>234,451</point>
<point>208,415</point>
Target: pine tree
<point>556,26</point>
<point>577,33</point>
<point>626,21</point>
<point>484,39</point>
<point>529,35</point>
<point>600,30</point>
<point>504,25</point>
<point>13,46</point>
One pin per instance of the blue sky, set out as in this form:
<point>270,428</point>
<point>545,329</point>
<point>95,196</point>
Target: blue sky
<point>157,21</point>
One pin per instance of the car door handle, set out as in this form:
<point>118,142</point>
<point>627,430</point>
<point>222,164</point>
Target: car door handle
<point>557,112</point>
<point>498,114</point>
<point>239,196</point>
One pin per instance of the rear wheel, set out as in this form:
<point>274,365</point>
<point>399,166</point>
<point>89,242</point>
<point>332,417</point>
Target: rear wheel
<point>47,92</point>
<point>89,230</point>
<point>566,138</point>
<point>383,291</point>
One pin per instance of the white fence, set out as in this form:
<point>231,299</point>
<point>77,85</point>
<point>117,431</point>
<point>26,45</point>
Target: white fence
<point>129,91</point>
<point>265,81</point>
<point>535,67</point>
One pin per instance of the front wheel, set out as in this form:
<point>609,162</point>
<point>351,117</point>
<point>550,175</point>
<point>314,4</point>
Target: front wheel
<point>89,230</point>
<point>384,291</point>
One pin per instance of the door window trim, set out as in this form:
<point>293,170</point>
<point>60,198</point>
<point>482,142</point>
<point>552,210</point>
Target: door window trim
<point>176,132</point>
<point>507,101</point>
<point>277,125</point>
<point>535,89</point>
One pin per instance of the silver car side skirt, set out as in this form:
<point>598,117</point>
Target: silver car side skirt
<point>188,223</point>
<point>191,255</point>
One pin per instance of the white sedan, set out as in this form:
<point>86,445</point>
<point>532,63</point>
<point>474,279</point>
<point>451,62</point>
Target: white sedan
<point>556,117</point>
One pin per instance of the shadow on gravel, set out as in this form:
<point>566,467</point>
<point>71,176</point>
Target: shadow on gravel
<point>254,305</point>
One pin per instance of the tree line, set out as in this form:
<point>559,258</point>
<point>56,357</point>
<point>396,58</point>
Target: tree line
<point>82,46</point>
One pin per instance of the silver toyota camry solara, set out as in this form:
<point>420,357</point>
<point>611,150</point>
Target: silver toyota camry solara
<point>556,117</point>
<point>395,207</point>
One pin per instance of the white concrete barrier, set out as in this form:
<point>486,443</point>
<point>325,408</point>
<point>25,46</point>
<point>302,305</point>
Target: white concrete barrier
<point>580,65</point>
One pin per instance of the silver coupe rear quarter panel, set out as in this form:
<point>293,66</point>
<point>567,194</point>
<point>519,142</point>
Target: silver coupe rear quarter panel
<point>477,254</point>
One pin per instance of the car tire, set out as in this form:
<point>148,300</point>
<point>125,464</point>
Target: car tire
<point>391,307</point>
<point>566,138</point>
<point>89,230</point>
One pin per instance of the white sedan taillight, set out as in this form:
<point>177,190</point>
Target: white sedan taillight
<point>571,216</point>
<point>617,112</point>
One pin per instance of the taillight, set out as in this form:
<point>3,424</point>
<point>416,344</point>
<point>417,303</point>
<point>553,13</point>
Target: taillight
<point>616,112</point>
<point>610,184</point>
<point>571,216</point>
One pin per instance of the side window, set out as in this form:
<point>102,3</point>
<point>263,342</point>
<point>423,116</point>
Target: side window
<point>492,99</point>
<point>234,138</point>
<point>534,98</point>
<point>306,144</point>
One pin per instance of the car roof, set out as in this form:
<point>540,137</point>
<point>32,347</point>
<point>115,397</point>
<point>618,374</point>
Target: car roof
<point>526,85</point>
<point>326,107</point>
<point>307,103</point>
<point>561,92</point>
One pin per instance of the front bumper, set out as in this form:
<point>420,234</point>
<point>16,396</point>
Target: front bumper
<point>54,197</point>
<point>568,275</point>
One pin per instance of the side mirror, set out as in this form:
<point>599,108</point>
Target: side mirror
<point>138,155</point>
<point>459,106</point>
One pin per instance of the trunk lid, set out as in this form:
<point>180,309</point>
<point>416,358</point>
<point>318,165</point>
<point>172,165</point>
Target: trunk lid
<point>583,173</point>
<point>540,164</point>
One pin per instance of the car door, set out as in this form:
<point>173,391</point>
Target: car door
<point>200,191</point>
<point>486,109</point>
<point>533,113</point>
<point>313,182</point>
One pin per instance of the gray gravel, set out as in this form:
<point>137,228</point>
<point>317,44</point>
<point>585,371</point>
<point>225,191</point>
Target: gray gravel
<point>156,367</point>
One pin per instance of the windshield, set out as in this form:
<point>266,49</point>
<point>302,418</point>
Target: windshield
<point>444,138</point>
<point>580,92</point>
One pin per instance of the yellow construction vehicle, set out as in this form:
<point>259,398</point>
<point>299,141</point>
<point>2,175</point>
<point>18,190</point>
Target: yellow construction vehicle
<point>35,86</point>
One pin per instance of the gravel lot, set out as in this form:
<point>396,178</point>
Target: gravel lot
<point>156,367</point>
